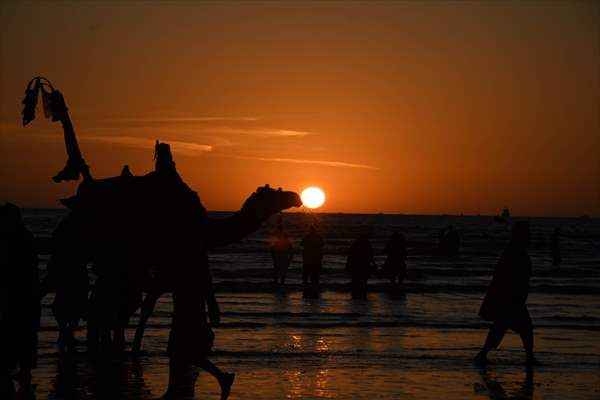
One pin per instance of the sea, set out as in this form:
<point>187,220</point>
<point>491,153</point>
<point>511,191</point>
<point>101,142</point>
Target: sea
<point>413,343</point>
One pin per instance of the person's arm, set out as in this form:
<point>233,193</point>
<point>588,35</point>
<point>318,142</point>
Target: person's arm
<point>372,258</point>
<point>33,265</point>
<point>521,284</point>
<point>214,313</point>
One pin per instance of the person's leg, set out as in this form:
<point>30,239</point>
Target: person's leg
<point>7,365</point>
<point>70,330</point>
<point>524,327</point>
<point>63,341</point>
<point>182,379</point>
<point>525,330</point>
<point>58,309</point>
<point>401,277</point>
<point>315,277</point>
<point>354,287</point>
<point>527,339</point>
<point>283,273</point>
<point>118,342</point>
<point>494,337</point>
<point>275,269</point>
<point>363,290</point>
<point>27,345</point>
<point>9,359</point>
<point>304,274</point>
<point>225,379</point>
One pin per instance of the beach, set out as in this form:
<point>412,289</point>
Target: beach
<point>416,343</point>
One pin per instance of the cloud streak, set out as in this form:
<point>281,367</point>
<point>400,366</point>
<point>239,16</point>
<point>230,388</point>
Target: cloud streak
<point>326,163</point>
<point>257,131</point>
<point>177,147</point>
<point>175,120</point>
<point>199,125</point>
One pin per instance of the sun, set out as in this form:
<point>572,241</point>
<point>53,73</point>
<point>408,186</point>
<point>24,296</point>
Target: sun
<point>312,197</point>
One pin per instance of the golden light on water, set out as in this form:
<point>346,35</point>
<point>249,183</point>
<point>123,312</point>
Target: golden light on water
<point>312,197</point>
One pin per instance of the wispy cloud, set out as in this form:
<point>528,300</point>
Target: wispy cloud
<point>240,125</point>
<point>168,120</point>
<point>317,162</point>
<point>177,147</point>
<point>257,131</point>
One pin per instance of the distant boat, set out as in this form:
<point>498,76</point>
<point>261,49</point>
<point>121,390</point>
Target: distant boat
<point>503,217</point>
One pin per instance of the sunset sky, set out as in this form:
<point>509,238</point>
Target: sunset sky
<point>409,107</point>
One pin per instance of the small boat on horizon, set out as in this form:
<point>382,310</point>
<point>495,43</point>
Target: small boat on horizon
<point>504,216</point>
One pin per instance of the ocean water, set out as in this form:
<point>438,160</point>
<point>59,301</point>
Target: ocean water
<point>414,344</point>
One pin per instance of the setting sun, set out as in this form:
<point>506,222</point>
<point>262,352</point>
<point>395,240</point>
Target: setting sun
<point>313,197</point>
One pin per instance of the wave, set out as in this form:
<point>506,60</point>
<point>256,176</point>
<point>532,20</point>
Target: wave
<point>362,324</point>
<point>408,287</point>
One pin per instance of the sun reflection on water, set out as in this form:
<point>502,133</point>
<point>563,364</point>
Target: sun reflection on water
<point>322,345</point>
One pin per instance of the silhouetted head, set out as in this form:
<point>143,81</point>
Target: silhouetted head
<point>557,231</point>
<point>10,217</point>
<point>363,235</point>
<point>397,237</point>
<point>450,228</point>
<point>521,233</point>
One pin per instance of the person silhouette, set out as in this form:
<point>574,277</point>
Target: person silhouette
<point>312,256</point>
<point>20,297</point>
<point>68,275</point>
<point>505,301</point>
<point>452,241</point>
<point>105,299</point>
<point>195,285</point>
<point>360,264</point>
<point>281,252</point>
<point>556,256</point>
<point>395,263</point>
<point>443,248</point>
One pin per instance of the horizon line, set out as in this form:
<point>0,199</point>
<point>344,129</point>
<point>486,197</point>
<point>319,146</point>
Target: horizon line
<point>513,217</point>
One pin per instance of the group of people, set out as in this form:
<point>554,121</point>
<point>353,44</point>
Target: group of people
<point>504,304</point>
<point>360,261</point>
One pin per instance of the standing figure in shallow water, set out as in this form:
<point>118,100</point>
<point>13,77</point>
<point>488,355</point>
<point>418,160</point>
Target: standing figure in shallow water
<point>505,301</point>
<point>360,264</point>
<point>395,263</point>
<point>556,256</point>
<point>67,274</point>
<point>105,300</point>
<point>281,251</point>
<point>312,256</point>
<point>19,297</point>
<point>452,242</point>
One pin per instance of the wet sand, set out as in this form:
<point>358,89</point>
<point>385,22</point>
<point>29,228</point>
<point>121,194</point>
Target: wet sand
<point>418,344</point>
<point>323,361</point>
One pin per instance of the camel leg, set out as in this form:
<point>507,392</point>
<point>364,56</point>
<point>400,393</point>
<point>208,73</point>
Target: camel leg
<point>145,313</point>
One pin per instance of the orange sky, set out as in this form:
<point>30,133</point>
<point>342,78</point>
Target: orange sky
<point>434,107</point>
